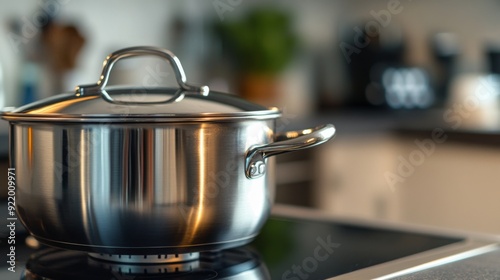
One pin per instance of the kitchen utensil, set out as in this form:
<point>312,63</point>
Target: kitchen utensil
<point>141,170</point>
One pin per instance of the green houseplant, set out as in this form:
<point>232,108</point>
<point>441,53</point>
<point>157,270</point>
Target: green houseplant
<point>261,44</point>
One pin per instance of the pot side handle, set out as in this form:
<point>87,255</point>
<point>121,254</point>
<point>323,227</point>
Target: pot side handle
<point>255,160</point>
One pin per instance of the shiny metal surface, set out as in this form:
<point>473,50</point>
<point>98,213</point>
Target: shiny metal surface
<point>92,108</point>
<point>111,59</point>
<point>147,259</point>
<point>52,264</point>
<point>133,188</point>
<point>100,174</point>
<point>141,104</point>
<point>150,269</point>
<point>255,162</point>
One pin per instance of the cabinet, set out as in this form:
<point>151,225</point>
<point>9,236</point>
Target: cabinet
<point>456,186</point>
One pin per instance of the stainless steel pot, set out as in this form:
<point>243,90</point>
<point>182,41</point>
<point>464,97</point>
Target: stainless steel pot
<point>141,171</point>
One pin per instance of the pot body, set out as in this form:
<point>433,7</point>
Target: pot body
<point>139,188</point>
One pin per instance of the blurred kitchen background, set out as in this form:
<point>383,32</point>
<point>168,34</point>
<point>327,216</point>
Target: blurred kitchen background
<point>410,85</point>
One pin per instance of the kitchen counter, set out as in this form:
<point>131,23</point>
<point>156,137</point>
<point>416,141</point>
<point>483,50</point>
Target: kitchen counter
<point>483,266</point>
<point>400,124</point>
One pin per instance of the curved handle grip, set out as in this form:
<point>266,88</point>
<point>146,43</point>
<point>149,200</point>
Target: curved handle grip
<point>98,88</point>
<point>255,160</point>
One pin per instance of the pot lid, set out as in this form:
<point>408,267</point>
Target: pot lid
<point>96,103</point>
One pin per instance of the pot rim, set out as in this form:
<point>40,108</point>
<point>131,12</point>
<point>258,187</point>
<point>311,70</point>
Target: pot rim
<point>149,118</point>
<point>65,108</point>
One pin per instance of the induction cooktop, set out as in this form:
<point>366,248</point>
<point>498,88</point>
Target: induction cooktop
<point>318,246</point>
<point>295,244</point>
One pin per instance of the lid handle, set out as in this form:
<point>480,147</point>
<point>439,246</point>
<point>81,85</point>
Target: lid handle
<point>98,88</point>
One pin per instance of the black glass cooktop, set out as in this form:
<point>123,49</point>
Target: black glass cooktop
<point>293,249</point>
<point>296,249</point>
